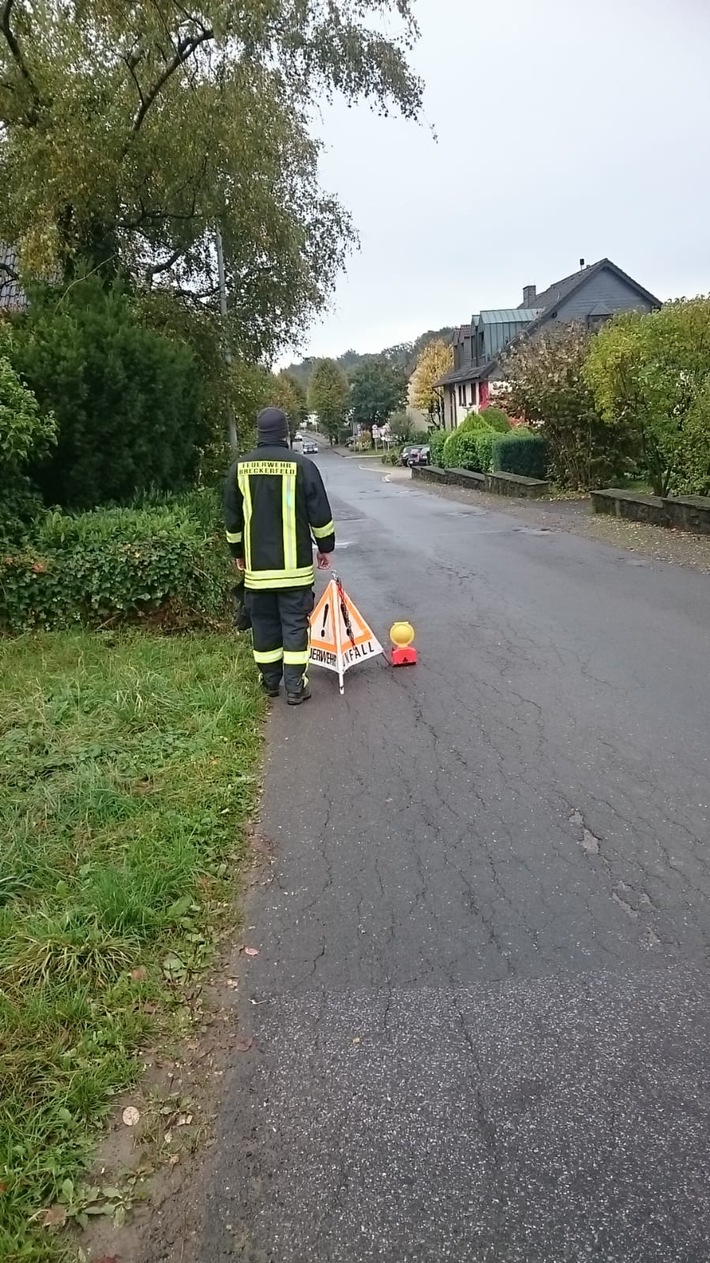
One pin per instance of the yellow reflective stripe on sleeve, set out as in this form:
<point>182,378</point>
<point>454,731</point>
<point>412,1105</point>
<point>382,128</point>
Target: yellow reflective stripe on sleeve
<point>288,519</point>
<point>268,655</point>
<point>245,488</point>
<point>296,657</point>
<point>234,537</point>
<point>320,532</point>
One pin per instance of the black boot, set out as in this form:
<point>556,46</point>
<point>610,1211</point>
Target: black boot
<point>295,699</point>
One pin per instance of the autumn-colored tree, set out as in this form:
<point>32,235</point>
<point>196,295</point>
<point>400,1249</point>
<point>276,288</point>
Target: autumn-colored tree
<point>650,375</point>
<point>548,388</point>
<point>328,396</point>
<point>436,359</point>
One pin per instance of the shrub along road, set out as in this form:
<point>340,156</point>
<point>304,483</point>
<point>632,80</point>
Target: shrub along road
<point>481,1004</point>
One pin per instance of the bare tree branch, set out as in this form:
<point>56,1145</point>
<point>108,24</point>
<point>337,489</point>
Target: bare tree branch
<point>164,266</point>
<point>16,51</point>
<point>9,271</point>
<point>185,49</point>
<point>131,61</point>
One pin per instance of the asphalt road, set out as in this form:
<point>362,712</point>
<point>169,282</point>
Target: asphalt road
<point>481,1018</point>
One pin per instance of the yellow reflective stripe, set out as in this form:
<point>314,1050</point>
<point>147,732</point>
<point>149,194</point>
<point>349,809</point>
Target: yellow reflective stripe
<point>279,579</point>
<point>295,575</point>
<point>296,657</point>
<point>268,655</point>
<point>288,519</point>
<point>234,537</point>
<point>320,532</point>
<point>245,488</point>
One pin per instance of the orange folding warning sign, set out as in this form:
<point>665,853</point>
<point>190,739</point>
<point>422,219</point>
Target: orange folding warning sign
<point>340,637</point>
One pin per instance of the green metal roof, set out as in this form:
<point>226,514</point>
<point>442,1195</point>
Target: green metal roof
<point>510,316</point>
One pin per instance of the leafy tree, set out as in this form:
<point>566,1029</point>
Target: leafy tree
<point>26,435</point>
<point>434,360</point>
<point>401,427</point>
<point>650,375</point>
<point>376,391</point>
<point>549,388</point>
<point>328,397</point>
<point>129,131</point>
<point>290,395</point>
<point>25,432</point>
<point>127,400</point>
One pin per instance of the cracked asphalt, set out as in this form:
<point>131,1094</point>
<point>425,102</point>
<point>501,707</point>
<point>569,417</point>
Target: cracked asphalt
<point>480,1005</point>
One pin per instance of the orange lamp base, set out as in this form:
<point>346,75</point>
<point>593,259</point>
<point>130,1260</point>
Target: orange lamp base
<point>404,656</point>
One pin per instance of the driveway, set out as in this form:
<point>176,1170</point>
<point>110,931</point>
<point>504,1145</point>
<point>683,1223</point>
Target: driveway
<point>480,1007</point>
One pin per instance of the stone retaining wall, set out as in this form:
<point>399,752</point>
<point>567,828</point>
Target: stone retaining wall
<point>688,513</point>
<point>498,483</point>
<point>516,485</point>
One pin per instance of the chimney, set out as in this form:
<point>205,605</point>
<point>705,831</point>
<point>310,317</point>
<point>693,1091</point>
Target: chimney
<point>529,295</point>
<point>581,264</point>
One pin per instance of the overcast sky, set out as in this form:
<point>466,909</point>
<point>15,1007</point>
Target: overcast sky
<point>566,129</point>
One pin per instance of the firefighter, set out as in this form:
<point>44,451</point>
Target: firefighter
<point>275,506</point>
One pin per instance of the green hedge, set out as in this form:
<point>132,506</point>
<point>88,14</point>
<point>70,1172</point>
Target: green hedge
<point>451,454</point>
<point>437,439</point>
<point>161,564</point>
<point>475,450</point>
<point>496,418</point>
<point>474,421</point>
<point>520,452</point>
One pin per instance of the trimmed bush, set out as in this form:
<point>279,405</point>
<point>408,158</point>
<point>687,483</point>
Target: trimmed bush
<point>520,452</point>
<point>114,566</point>
<point>475,450</point>
<point>474,421</point>
<point>496,418</point>
<point>437,439</point>
<point>451,456</point>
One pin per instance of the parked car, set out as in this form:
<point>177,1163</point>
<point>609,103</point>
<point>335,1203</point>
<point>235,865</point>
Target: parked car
<point>309,447</point>
<point>420,455</point>
<point>407,452</point>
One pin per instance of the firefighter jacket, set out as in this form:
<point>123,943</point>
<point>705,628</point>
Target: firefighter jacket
<point>275,506</point>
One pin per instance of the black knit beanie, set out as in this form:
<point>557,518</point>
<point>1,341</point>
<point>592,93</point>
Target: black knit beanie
<point>272,425</point>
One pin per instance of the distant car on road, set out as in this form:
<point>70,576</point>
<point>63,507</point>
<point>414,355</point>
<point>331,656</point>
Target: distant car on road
<point>309,447</point>
<point>406,454</point>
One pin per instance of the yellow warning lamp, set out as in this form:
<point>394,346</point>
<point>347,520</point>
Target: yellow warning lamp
<point>404,653</point>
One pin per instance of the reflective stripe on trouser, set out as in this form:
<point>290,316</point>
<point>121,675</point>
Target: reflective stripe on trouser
<point>283,615</point>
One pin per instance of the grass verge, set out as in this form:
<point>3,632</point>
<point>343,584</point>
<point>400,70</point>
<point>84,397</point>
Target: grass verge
<point>128,771</point>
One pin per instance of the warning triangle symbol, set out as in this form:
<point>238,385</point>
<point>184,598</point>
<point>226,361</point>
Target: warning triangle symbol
<point>340,636</point>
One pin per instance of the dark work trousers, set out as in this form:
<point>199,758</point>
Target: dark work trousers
<point>280,629</point>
